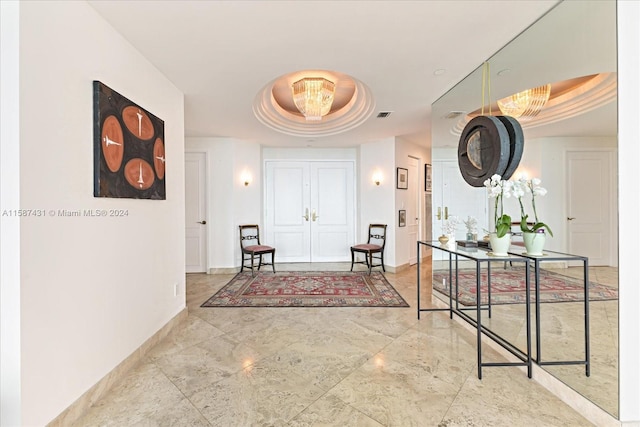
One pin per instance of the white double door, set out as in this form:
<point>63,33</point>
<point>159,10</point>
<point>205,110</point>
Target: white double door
<point>310,210</point>
<point>453,196</point>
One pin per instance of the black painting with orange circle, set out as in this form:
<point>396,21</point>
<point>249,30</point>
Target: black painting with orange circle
<point>129,148</point>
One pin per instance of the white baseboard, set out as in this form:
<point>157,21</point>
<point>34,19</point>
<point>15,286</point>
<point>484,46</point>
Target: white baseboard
<point>229,270</point>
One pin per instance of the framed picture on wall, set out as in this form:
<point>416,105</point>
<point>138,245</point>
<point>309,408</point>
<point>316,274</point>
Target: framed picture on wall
<point>128,148</point>
<point>427,177</point>
<point>402,218</point>
<point>402,178</point>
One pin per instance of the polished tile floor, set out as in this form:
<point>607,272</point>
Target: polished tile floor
<point>323,367</point>
<point>562,338</point>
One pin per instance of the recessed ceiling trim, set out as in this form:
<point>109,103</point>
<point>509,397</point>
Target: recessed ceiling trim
<point>590,94</point>
<point>269,112</point>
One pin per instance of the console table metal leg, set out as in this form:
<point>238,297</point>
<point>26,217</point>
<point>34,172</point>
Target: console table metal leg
<point>418,281</point>
<point>489,287</point>
<point>587,351</point>
<point>451,291</point>
<point>537,292</point>
<point>478,321</point>
<point>528,320</point>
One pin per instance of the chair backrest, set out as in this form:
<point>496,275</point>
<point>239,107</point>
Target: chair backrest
<point>377,234</point>
<point>249,235</point>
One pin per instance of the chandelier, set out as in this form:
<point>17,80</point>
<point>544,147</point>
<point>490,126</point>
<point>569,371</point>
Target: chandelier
<point>525,104</point>
<point>313,97</point>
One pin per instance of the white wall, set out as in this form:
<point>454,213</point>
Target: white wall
<point>9,225</point>
<point>229,201</point>
<point>93,289</point>
<point>629,206</point>
<point>403,150</point>
<point>270,153</point>
<point>377,203</point>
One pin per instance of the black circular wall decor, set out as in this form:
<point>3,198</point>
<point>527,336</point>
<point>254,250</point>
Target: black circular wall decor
<point>483,149</point>
<point>516,144</point>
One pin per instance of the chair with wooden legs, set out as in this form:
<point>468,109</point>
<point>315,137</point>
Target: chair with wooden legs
<point>251,248</point>
<point>373,249</point>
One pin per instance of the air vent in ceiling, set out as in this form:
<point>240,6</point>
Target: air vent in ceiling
<point>453,114</point>
<point>383,114</point>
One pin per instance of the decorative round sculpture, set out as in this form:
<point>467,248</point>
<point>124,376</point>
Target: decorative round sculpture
<point>483,149</point>
<point>516,144</point>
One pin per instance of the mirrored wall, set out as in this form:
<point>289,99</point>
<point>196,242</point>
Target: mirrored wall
<point>571,145</point>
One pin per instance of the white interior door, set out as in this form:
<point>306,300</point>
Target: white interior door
<point>287,212</point>
<point>332,211</point>
<point>195,213</point>
<point>413,209</point>
<point>310,210</point>
<point>589,201</point>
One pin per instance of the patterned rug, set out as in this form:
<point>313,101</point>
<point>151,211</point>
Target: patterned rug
<point>307,289</point>
<point>507,287</point>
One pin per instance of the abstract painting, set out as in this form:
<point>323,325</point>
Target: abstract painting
<point>128,148</point>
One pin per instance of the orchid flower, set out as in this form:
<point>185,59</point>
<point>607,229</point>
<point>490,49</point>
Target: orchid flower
<point>531,187</point>
<point>499,189</point>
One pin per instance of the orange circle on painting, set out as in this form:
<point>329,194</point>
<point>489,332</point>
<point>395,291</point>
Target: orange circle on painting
<point>112,143</point>
<point>139,174</point>
<point>158,157</point>
<point>138,122</point>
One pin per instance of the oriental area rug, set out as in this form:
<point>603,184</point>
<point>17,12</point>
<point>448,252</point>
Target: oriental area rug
<point>508,287</point>
<point>307,289</point>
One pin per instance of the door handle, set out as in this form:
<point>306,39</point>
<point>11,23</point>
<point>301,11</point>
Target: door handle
<point>446,212</point>
<point>313,215</point>
<point>202,222</point>
<point>306,214</point>
<point>439,214</point>
<point>570,218</point>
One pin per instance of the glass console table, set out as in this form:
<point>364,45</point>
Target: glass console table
<point>550,256</point>
<point>480,257</point>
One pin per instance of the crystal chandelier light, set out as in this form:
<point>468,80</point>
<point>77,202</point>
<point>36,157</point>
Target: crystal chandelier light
<point>313,97</point>
<point>525,104</point>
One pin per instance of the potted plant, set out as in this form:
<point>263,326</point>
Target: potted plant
<point>500,238</point>
<point>533,233</point>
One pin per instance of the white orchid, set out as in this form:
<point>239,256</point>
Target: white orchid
<point>524,186</point>
<point>499,188</point>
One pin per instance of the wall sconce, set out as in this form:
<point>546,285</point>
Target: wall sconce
<point>377,177</point>
<point>521,173</point>
<point>245,178</point>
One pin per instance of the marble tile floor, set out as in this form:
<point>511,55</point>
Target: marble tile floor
<point>562,338</point>
<point>323,367</point>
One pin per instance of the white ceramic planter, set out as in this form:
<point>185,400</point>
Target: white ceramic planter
<point>534,242</point>
<point>500,245</point>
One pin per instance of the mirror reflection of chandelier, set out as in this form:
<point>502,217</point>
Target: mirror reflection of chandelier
<point>525,104</point>
<point>313,97</point>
